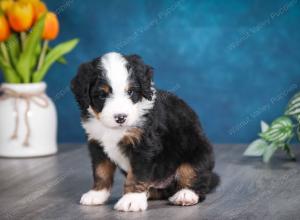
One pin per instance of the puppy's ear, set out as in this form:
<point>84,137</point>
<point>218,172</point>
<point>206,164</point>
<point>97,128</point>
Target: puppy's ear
<point>144,74</point>
<point>146,82</point>
<point>80,85</point>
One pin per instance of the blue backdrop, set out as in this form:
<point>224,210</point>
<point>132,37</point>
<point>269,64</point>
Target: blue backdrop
<point>234,62</point>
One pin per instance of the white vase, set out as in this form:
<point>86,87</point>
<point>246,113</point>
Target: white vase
<point>29,114</point>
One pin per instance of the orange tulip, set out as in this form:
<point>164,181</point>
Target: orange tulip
<point>20,16</point>
<point>5,5</point>
<point>38,6</point>
<point>51,28</point>
<point>4,28</point>
<point>29,1</point>
<point>39,9</point>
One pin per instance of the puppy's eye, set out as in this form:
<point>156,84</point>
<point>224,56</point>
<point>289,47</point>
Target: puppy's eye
<point>130,92</point>
<point>102,94</point>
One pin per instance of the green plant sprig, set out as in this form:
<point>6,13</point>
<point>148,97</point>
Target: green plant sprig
<point>279,134</point>
<point>23,60</point>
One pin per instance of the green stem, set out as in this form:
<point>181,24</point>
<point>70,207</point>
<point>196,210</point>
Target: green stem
<point>5,53</point>
<point>10,75</point>
<point>289,152</point>
<point>43,54</point>
<point>23,39</point>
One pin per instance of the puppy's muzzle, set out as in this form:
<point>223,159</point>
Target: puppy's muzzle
<point>120,118</point>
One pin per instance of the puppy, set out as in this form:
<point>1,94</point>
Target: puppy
<point>154,137</point>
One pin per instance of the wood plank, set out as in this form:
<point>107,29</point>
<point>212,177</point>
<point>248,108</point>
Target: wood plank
<point>50,188</point>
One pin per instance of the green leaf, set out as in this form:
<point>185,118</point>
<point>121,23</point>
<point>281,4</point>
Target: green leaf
<point>13,47</point>
<point>280,130</point>
<point>60,60</point>
<point>35,56</point>
<point>256,148</point>
<point>298,132</point>
<point>289,152</point>
<point>269,151</point>
<point>52,56</point>
<point>298,118</point>
<point>9,73</point>
<point>281,121</point>
<point>293,107</point>
<point>31,43</point>
<point>264,126</point>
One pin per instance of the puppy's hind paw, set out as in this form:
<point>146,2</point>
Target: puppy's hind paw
<point>184,197</point>
<point>94,197</point>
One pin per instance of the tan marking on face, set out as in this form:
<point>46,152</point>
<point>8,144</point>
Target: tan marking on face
<point>97,114</point>
<point>104,174</point>
<point>105,88</point>
<point>185,175</point>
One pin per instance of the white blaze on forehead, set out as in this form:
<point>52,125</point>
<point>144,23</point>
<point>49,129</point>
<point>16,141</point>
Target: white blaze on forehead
<point>114,65</point>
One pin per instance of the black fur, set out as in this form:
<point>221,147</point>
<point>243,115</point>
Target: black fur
<point>143,75</point>
<point>82,84</point>
<point>172,134</point>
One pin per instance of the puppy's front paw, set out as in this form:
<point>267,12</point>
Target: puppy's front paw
<point>132,202</point>
<point>94,197</point>
<point>184,197</point>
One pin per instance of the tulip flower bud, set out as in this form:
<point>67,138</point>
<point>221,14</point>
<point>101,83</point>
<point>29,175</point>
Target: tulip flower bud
<point>39,9</point>
<point>5,5</point>
<point>20,16</point>
<point>51,28</point>
<point>4,28</point>
<point>29,1</point>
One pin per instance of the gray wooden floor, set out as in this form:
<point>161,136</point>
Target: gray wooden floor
<point>50,188</point>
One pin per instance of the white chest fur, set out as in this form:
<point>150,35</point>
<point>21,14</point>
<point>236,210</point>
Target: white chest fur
<point>109,139</point>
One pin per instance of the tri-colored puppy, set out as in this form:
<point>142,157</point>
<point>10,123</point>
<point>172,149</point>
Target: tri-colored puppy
<point>154,137</point>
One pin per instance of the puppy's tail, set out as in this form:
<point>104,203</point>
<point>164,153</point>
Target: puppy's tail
<point>214,181</point>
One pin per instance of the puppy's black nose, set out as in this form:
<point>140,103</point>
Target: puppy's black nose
<point>120,118</point>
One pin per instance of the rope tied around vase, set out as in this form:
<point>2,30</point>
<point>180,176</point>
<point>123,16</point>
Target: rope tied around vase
<point>37,98</point>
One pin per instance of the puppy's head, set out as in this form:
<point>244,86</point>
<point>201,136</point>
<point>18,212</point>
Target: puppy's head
<point>115,89</point>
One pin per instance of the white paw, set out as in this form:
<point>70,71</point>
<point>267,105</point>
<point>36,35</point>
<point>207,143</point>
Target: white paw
<point>132,202</point>
<point>184,197</point>
<point>93,197</point>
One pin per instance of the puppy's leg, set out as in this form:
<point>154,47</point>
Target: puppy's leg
<point>103,173</point>
<point>162,193</point>
<point>135,195</point>
<point>186,177</point>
